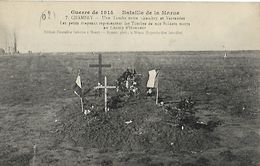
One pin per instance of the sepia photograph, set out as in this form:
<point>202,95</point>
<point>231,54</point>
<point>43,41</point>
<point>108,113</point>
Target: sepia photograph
<point>129,83</point>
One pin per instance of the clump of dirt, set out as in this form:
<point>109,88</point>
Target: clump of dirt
<point>142,126</point>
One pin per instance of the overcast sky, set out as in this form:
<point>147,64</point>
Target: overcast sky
<point>214,26</point>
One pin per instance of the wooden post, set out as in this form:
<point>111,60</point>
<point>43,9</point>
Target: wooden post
<point>34,155</point>
<point>82,106</point>
<point>100,68</point>
<point>157,95</point>
<point>157,87</point>
<point>105,94</point>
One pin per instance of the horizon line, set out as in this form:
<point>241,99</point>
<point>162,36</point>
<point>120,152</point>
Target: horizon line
<point>143,51</point>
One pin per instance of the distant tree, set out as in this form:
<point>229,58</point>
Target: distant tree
<point>2,51</point>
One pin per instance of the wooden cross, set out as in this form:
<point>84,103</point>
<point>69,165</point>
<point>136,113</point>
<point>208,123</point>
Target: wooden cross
<point>100,65</point>
<point>106,87</point>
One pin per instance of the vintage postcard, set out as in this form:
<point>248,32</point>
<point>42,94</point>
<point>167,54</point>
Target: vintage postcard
<point>129,83</point>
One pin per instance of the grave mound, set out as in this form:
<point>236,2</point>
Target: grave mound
<point>138,126</point>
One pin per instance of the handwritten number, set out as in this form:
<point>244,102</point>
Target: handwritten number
<point>43,16</point>
<point>49,14</point>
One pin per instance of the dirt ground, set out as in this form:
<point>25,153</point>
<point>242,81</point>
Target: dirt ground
<point>35,89</point>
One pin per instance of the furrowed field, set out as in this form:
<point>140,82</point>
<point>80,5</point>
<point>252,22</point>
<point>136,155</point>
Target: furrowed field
<point>39,109</point>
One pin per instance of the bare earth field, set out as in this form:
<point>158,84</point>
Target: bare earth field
<point>38,108</point>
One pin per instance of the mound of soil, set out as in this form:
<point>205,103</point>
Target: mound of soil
<point>138,126</point>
